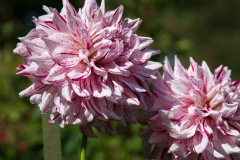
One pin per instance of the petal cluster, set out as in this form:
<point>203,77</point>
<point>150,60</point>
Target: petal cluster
<point>195,114</point>
<point>87,67</point>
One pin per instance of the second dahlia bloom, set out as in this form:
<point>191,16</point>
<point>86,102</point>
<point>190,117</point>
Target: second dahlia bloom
<point>195,115</point>
<point>87,67</point>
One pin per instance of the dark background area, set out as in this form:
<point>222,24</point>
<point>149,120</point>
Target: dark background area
<point>204,30</point>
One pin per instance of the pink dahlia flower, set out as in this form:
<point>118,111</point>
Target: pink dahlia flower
<point>196,114</point>
<point>87,67</point>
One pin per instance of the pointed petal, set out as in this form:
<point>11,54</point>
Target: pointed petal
<point>200,142</point>
<point>87,130</point>
<point>35,88</point>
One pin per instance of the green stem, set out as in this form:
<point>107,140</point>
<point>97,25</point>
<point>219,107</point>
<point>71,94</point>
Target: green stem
<point>83,148</point>
<point>51,140</point>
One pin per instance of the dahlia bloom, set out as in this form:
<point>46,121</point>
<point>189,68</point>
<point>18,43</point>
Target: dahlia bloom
<point>195,114</point>
<point>87,67</point>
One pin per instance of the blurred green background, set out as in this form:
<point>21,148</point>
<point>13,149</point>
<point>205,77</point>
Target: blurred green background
<point>204,30</point>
